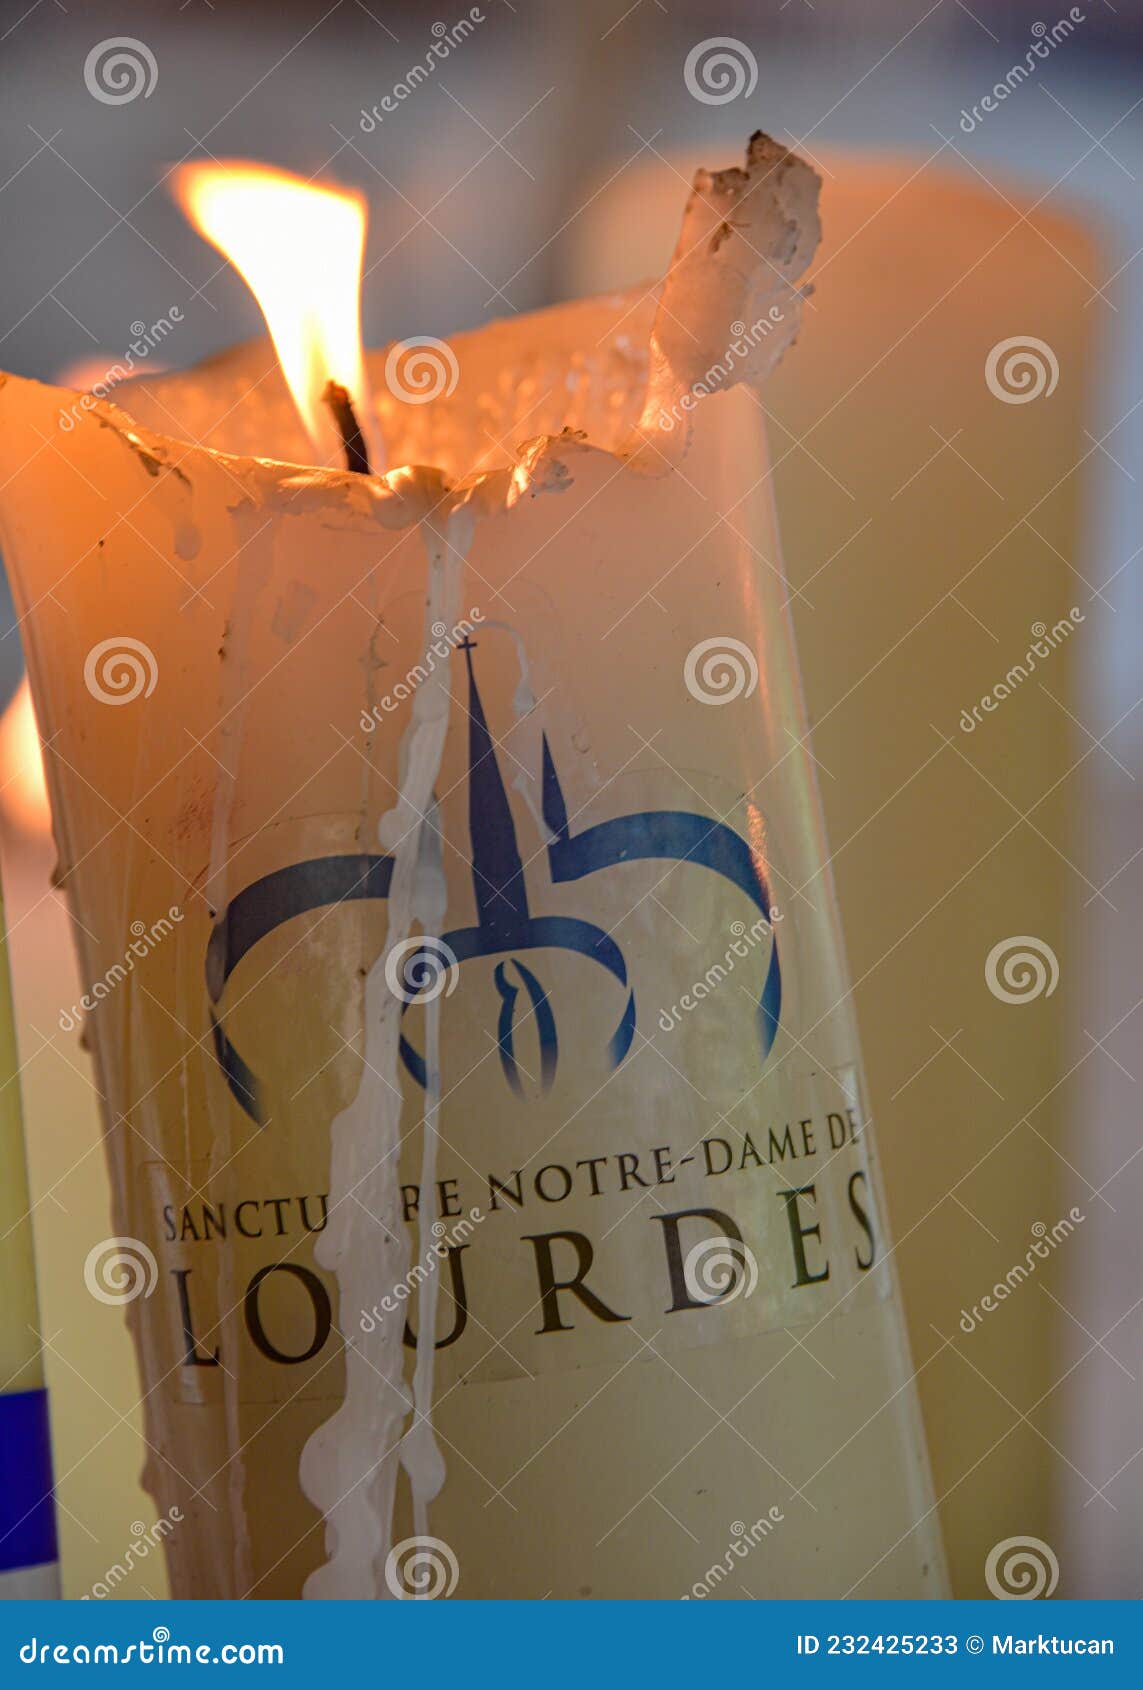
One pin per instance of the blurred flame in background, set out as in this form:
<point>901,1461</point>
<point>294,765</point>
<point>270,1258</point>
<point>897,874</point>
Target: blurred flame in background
<point>23,790</point>
<point>299,247</point>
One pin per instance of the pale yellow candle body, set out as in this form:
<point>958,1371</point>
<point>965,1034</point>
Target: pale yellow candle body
<point>667,1315</point>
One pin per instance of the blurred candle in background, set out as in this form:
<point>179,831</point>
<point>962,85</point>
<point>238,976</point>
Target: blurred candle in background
<point>27,1510</point>
<point>88,1359</point>
<point>929,522</point>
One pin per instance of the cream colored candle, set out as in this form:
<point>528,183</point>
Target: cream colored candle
<point>566,690</point>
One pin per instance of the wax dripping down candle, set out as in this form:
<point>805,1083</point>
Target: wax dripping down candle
<point>299,246</point>
<point>350,1465</point>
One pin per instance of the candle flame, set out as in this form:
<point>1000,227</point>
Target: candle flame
<point>299,248</point>
<point>22,785</point>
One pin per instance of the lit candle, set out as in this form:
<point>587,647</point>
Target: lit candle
<point>458,814</point>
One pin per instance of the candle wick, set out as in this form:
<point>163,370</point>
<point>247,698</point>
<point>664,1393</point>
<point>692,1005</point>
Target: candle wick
<point>348,427</point>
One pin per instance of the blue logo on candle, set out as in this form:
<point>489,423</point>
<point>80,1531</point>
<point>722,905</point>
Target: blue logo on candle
<point>505,925</point>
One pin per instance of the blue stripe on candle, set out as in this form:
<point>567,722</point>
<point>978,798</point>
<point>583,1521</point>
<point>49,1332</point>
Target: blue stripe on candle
<point>27,1515</point>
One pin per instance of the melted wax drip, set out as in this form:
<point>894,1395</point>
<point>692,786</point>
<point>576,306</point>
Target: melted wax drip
<point>349,1465</point>
<point>420,1454</point>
